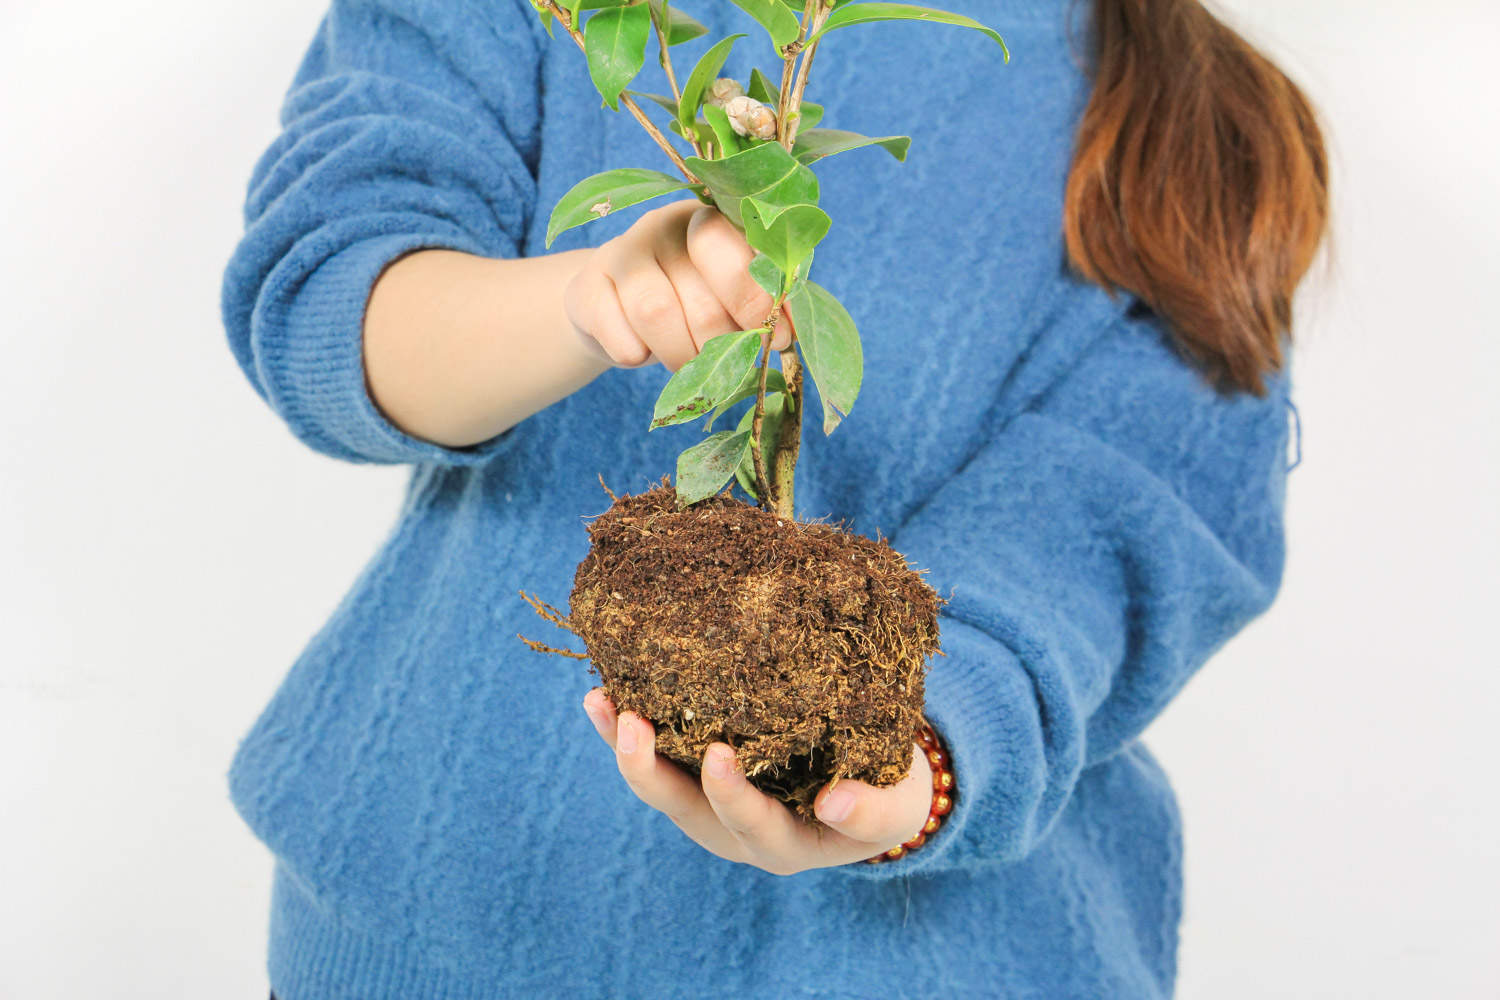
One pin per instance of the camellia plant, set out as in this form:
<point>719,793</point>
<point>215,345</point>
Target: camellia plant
<point>677,600</point>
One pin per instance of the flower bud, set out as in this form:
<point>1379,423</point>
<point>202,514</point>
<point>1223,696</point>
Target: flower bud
<point>722,90</point>
<point>750,117</point>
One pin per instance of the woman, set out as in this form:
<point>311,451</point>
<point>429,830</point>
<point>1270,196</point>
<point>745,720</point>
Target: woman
<point>1094,479</point>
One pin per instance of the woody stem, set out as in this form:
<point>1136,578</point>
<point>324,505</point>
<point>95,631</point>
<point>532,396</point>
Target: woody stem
<point>630,105</point>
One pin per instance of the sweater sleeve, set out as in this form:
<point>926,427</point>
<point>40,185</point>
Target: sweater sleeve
<point>1098,549</point>
<point>409,125</point>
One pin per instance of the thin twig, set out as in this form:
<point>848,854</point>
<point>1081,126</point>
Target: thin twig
<point>794,106</point>
<point>625,99</point>
<point>789,61</point>
<point>666,64</point>
<point>763,481</point>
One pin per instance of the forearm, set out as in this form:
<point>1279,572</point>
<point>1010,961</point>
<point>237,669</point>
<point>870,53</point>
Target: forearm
<point>458,348</point>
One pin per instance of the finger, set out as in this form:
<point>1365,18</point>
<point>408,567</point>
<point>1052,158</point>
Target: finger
<point>667,788</point>
<point>652,308</point>
<point>721,255</point>
<point>762,824</point>
<point>883,817</point>
<point>601,712</point>
<point>706,317</point>
<point>593,307</point>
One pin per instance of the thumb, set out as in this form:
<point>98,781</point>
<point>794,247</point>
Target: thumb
<point>881,816</point>
<point>786,328</point>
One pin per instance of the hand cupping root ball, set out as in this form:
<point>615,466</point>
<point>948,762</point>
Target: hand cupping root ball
<point>799,644</point>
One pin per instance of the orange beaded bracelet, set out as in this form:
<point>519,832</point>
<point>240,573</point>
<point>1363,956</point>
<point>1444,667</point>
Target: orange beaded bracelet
<point>943,792</point>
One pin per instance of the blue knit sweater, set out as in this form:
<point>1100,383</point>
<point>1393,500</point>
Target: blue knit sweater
<point>445,822</point>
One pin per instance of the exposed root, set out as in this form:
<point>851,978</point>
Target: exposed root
<point>541,648</point>
<point>548,612</point>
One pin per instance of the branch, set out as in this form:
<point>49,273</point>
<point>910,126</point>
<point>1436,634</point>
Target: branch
<point>789,442</point>
<point>763,481</point>
<point>794,105</point>
<point>666,65</point>
<point>784,92</point>
<point>640,116</point>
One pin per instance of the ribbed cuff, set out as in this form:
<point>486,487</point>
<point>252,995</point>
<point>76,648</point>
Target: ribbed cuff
<point>311,361</point>
<point>980,701</point>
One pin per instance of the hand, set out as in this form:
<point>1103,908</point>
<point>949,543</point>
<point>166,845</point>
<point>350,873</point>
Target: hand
<point>659,291</point>
<point>730,817</point>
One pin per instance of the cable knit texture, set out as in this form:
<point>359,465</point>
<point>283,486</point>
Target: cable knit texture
<point>445,823</point>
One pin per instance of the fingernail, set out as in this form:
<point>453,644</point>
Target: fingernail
<point>592,711</point>
<point>721,764</point>
<point>625,741</point>
<point>837,805</point>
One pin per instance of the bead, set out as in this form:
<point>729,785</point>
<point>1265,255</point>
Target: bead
<point>943,786</point>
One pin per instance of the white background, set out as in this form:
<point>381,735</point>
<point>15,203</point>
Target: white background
<point>166,548</point>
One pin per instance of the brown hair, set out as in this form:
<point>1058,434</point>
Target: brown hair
<point>1199,183</point>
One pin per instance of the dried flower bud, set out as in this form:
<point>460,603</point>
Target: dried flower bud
<point>722,90</point>
<point>750,117</point>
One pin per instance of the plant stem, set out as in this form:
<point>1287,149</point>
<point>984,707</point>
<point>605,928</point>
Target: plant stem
<point>783,92</point>
<point>789,441</point>
<point>794,104</point>
<point>666,65</point>
<point>763,485</point>
<point>640,116</point>
<point>666,57</point>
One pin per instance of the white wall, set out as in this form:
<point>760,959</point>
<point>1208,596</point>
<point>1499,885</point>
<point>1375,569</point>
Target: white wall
<point>166,548</point>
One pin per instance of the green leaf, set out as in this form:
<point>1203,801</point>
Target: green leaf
<point>860,13</point>
<point>546,16</point>
<point>712,375</point>
<point>785,233</point>
<point>729,140</point>
<point>749,387</point>
<point>766,171</point>
<point>703,469</point>
<point>762,89</point>
<point>744,473</point>
<point>575,6</point>
<point>597,196</point>
<point>661,99</point>
<point>797,277</point>
<point>703,74</point>
<point>679,26</point>
<point>615,42</point>
<point>815,143</point>
<point>767,275</point>
<point>830,345</point>
<point>773,15</point>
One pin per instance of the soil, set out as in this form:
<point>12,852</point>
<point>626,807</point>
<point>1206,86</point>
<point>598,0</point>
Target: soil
<point>798,643</point>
